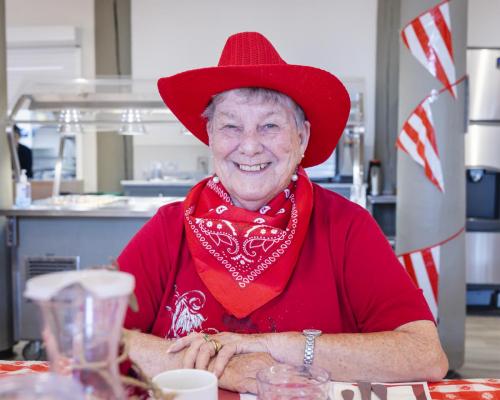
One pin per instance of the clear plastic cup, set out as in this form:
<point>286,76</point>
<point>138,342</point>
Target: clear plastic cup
<point>287,382</point>
<point>83,313</point>
<point>43,386</point>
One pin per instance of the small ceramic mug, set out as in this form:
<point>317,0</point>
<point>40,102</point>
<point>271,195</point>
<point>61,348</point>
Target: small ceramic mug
<point>188,384</point>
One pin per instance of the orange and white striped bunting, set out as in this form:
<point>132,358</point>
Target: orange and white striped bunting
<point>418,140</point>
<point>428,37</point>
<point>423,268</point>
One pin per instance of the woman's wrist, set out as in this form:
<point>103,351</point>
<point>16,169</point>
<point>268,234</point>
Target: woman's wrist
<point>151,353</point>
<point>286,347</point>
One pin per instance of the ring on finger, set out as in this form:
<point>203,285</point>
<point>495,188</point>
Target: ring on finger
<point>217,345</point>
<point>206,337</point>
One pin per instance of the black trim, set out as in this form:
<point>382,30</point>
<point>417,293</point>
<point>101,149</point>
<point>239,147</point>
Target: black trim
<point>482,225</point>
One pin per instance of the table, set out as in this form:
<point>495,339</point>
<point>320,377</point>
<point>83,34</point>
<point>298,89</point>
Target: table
<point>463,389</point>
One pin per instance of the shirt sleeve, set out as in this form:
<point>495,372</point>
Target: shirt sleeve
<point>381,292</point>
<point>146,258</point>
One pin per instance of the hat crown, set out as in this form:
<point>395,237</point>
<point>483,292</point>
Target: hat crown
<point>249,48</point>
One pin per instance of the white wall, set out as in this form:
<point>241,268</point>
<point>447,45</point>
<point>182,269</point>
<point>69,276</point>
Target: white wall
<point>483,23</point>
<point>339,36</point>
<point>80,14</point>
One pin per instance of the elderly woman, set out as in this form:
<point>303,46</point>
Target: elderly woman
<point>258,265</point>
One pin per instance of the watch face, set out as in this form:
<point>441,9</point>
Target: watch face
<point>311,332</point>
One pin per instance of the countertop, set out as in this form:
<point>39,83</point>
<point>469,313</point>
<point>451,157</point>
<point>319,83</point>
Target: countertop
<point>110,206</point>
<point>161,182</point>
<point>92,206</point>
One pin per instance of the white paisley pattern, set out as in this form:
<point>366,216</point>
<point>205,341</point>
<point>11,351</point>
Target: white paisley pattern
<point>237,253</point>
<point>186,313</point>
<point>222,194</point>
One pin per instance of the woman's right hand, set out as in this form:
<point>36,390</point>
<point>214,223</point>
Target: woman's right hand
<point>202,350</point>
<point>241,371</point>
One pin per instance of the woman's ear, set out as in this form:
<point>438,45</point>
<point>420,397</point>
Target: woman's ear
<point>304,134</point>
<point>208,127</point>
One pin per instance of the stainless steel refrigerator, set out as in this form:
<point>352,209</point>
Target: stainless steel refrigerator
<point>482,149</point>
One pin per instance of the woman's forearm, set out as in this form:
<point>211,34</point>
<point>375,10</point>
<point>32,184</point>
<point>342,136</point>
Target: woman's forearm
<point>410,352</point>
<point>151,353</point>
<point>400,355</point>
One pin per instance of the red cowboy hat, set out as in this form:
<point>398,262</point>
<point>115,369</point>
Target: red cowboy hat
<point>250,60</point>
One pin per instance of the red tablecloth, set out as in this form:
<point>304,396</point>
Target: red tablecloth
<point>464,389</point>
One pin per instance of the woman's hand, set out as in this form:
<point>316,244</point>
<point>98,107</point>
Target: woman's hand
<point>201,348</point>
<point>240,373</point>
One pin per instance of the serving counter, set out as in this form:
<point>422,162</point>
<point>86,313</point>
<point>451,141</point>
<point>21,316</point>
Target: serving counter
<point>68,233</point>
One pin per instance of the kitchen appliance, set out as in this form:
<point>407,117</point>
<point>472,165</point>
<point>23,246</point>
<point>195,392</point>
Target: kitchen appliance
<point>346,162</point>
<point>343,172</point>
<point>374,177</point>
<point>482,160</point>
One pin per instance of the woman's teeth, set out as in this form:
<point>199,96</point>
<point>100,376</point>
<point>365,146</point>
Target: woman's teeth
<point>253,168</point>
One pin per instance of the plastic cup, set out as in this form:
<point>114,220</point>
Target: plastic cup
<point>287,382</point>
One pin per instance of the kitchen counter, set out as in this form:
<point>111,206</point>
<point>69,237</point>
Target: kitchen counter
<point>68,233</point>
<point>168,186</point>
<point>180,187</point>
<point>85,206</point>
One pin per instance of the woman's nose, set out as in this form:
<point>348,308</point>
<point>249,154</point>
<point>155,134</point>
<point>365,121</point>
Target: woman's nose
<point>250,143</point>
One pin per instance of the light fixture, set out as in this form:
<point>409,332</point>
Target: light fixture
<point>132,123</point>
<point>69,122</point>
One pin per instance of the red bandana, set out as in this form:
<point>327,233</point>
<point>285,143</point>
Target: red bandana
<point>245,258</point>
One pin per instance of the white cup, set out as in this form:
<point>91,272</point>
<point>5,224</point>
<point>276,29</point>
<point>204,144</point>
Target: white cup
<point>188,384</point>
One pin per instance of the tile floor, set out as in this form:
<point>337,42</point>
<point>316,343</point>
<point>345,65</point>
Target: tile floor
<point>482,347</point>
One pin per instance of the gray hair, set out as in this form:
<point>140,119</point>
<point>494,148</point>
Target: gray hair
<point>264,95</point>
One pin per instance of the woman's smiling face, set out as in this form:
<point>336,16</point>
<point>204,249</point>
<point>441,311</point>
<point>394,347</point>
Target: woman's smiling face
<point>256,146</point>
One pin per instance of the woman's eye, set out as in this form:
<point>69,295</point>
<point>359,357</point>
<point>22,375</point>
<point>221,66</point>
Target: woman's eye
<point>229,126</point>
<point>270,126</point>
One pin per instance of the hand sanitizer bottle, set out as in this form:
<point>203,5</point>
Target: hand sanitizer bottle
<point>23,191</point>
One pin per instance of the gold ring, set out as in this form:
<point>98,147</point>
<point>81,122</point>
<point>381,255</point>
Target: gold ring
<point>217,345</point>
<point>206,337</point>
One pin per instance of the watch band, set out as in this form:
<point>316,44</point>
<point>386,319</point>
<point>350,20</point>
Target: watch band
<point>311,335</point>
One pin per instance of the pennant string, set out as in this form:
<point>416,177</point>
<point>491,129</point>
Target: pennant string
<point>448,87</point>
<point>436,93</point>
<point>428,37</point>
<point>426,11</point>
<point>449,239</point>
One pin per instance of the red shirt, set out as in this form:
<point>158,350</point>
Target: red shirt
<point>347,279</point>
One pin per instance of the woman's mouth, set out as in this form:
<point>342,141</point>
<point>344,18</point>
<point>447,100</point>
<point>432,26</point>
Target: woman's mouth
<point>253,167</point>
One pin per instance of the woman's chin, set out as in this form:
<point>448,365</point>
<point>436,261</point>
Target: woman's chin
<point>251,199</point>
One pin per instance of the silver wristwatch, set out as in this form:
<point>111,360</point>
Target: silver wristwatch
<point>311,335</point>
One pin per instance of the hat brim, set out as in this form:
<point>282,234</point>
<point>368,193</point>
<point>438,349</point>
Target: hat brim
<point>321,95</point>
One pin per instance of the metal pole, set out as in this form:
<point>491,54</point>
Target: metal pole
<point>56,187</point>
<point>16,165</point>
<point>6,334</point>
<point>386,90</point>
<point>425,216</point>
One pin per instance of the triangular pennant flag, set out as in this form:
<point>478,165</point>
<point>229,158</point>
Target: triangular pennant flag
<point>423,268</point>
<point>428,37</point>
<point>418,139</point>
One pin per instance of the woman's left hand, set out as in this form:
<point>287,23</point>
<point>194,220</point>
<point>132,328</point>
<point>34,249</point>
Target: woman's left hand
<point>201,348</point>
